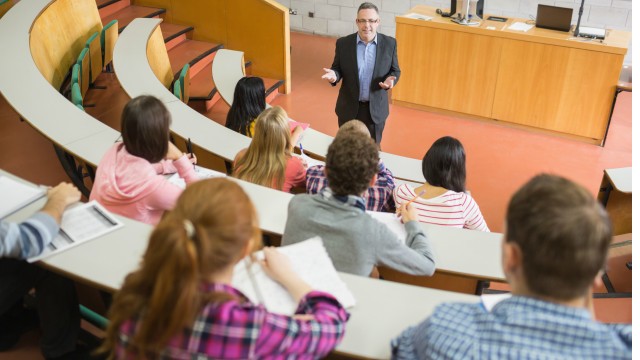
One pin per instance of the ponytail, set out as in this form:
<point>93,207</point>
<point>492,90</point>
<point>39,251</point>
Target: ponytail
<point>206,233</point>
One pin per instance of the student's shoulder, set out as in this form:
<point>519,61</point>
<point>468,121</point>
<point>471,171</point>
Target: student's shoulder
<point>454,319</point>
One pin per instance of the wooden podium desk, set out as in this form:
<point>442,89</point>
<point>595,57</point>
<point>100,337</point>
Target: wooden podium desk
<point>541,78</point>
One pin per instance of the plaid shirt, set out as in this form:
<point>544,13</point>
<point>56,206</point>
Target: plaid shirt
<point>516,328</point>
<point>379,197</point>
<point>237,329</point>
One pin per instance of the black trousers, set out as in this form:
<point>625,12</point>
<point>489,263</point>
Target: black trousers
<point>364,115</point>
<point>56,303</point>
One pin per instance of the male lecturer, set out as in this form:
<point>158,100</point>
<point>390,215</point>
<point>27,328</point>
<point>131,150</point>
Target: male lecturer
<point>367,62</point>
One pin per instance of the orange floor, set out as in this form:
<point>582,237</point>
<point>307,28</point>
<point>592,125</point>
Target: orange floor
<point>499,158</point>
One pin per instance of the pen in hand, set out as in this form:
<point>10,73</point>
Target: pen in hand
<point>412,200</point>
<point>190,151</point>
<point>301,150</point>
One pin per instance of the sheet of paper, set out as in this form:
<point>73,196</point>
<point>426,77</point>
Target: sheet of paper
<point>310,260</point>
<point>392,222</point>
<point>490,300</point>
<point>418,16</point>
<point>203,173</point>
<point>293,124</point>
<point>310,161</point>
<point>520,26</point>
<point>15,195</point>
<point>80,224</point>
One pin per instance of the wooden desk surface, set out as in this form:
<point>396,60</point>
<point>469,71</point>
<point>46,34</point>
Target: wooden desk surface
<point>616,41</point>
<point>620,179</point>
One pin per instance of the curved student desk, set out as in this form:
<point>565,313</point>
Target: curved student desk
<point>41,105</point>
<point>382,311</point>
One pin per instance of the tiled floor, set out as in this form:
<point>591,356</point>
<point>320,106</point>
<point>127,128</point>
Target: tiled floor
<point>499,158</point>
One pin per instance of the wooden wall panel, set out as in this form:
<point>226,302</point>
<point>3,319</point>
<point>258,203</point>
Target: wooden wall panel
<point>449,70</point>
<point>260,28</point>
<point>159,58</point>
<point>59,34</point>
<point>556,88</point>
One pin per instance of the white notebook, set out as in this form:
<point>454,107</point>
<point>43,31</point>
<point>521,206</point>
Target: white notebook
<point>392,221</point>
<point>310,260</point>
<point>15,195</point>
<point>203,173</point>
<point>80,224</point>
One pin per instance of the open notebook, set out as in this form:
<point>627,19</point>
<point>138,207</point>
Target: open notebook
<point>309,259</point>
<point>15,195</point>
<point>80,224</point>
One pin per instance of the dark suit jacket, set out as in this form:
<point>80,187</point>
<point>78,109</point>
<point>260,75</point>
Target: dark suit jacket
<point>345,64</point>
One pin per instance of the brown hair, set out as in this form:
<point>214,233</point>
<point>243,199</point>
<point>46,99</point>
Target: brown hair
<point>352,161</point>
<point>265,161</point>
<point>166,286</point>
<point>563,233</point>
<point>145,125</point>
<point>367,5</point>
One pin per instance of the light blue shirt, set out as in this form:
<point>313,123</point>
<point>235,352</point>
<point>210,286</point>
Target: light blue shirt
<point>366,62</point>
<point>516,328</point>
<point>28,238</point>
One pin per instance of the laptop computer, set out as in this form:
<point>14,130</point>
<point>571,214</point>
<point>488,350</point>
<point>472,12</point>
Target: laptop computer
<point>554,17</point>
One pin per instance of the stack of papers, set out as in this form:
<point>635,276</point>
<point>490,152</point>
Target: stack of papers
<point>418,16</point>
<point>309,259</point>
<point>520,26</point>
<point>80,224</point>
<point>15,195</point>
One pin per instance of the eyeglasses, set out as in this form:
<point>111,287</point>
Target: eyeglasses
<point>364,21</point>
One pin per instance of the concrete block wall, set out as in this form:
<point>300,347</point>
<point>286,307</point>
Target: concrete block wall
<point>337,17</point>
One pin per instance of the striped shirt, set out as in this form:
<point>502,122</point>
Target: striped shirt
<point>237,329</point>
<point>517,328</point>
<point>378,197</point>
<point>449,209</point>
<point>28,238</point>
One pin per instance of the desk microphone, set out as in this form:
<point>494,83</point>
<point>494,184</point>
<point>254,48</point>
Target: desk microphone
<point>576,31</point>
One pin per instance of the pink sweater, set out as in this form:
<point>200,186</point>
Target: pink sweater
<point>131,186</point>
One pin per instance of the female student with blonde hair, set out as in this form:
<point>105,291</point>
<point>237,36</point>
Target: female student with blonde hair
<point>268,160</point>
<point>180,303</point>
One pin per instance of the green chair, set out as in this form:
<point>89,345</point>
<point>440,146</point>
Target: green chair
<point>108,38</point>
<point>85,69</point>
<point>177,90</point>
<point>76,94</point>
<point>76,75</point>
<point>94,318</point>
<point>185,81</point>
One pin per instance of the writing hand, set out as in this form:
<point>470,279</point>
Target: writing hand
<point>388,83</point>
<point>329,75</point>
